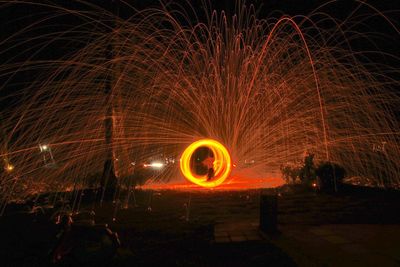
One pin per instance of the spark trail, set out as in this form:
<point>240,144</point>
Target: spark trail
<point>268,89</point>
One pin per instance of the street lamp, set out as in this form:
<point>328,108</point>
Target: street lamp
<point>9,167</point>
<point>48,158</point>
<point>43,148</point>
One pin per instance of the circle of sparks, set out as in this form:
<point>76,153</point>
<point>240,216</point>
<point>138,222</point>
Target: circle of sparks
<point>222,163</point>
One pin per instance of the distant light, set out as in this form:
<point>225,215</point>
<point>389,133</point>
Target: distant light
<point>9,167</point>
<point>43,148</point>
<point>156,165</point>
<point>314,185</point>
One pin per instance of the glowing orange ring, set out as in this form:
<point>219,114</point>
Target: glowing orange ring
<point>222,163</point>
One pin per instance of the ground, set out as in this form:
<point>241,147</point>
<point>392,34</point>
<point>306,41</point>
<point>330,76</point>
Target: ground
<point>220,228</point>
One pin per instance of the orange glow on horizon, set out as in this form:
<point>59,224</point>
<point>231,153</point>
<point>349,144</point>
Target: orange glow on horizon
<point>231,184</point>
<point>222,163</point>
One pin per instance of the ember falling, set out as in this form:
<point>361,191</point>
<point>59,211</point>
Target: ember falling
<point>269,90</point>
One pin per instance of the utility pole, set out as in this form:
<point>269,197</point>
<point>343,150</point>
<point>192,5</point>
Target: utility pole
<point>108,179</point>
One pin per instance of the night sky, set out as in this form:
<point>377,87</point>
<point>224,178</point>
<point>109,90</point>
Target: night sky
<point>15,17</point>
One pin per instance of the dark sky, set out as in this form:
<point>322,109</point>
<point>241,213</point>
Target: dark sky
<point>16,17</point>
<point>13,18</point>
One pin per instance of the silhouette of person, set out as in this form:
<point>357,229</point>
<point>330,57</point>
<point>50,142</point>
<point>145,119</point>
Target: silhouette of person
<point>210,174</point>
<point>209,162</point>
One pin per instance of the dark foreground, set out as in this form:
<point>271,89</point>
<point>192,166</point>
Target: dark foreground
<point>173,228</point>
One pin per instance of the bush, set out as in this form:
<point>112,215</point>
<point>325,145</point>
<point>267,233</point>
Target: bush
<point>307,172</point>
<point>290,173</point>
<point>330,176</point>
